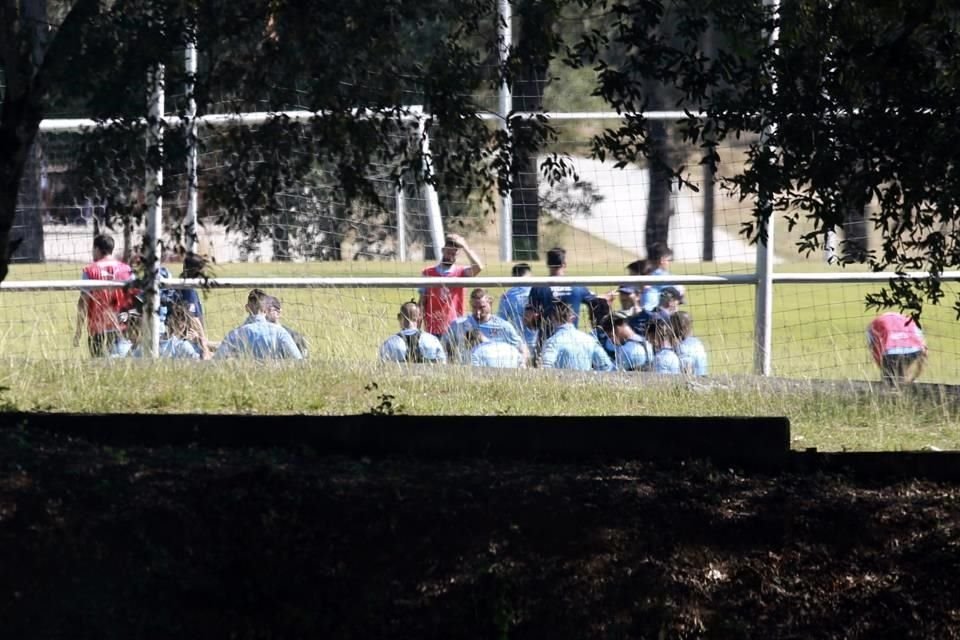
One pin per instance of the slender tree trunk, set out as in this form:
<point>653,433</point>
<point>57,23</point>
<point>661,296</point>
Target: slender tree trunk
<point>856,242</point>
<point>527,96</point>
<point>658,205</point>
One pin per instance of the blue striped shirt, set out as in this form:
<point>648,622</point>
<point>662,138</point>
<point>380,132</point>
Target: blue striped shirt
<point>570,348</point>
<point>259,339</point>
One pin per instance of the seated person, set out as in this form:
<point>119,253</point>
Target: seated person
<point>531,333</point>
<point>494,328</point>
<point>185,336</point>
<point>492,353</point>
<point>630,301</point>
<point>599,317</point>
<point>670,300</point>
<point>412,344</point>
<point>693,355</point>
<point>897,346</point>
<point>130,324</point>
<point>632,352</point>
<point>274,310</point>
<point>257,337</point>
<point>664,344</point>
<point>570,348</point>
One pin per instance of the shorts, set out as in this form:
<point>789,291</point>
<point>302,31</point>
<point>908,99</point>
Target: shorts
<point>896,366</point>
<point>101,344</point>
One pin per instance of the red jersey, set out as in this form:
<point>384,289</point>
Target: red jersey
<point>894,333</point>
<point>442,305</point>
<point>103,305</point>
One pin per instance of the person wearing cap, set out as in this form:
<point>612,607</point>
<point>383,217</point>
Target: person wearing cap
<point>482,320</point>
<point>693,355</point>
<point>631,351</point>
<point>257,337</point>
<point>98,308</point>
<point>410,344</point>
<point>442,305</point>
<point>514,300</point>
<point>570,348</point>
<point>898,347</point>
<point>670,299</point>
<point>194,266</point>
<point>492,353</point>
<point>274,309</point>
<point>663,342</point>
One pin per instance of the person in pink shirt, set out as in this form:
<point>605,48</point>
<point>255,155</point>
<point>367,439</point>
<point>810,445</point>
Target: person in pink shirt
<point>442,305</point>
<point>99,308</point>
<point>897,346</point>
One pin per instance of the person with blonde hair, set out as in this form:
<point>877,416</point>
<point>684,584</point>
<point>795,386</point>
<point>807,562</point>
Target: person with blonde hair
<point>410,344</point>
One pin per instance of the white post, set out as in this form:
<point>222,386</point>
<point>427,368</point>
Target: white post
<point>763,318</point>
<point>154,183</point>
<point>432,199</point>
<point>830,247</point>
<point>505,41</point>
<point>190,219</point>
<point>401,225</point>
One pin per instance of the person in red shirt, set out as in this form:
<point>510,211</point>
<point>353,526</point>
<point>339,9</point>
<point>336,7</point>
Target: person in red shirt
<point>99,308</point>
<point>442,305</point>
<point>897,346</point>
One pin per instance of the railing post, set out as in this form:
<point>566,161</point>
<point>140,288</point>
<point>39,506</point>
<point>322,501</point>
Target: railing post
<point>190,219</point>
<point>505,41</point>
<point>150,342</point>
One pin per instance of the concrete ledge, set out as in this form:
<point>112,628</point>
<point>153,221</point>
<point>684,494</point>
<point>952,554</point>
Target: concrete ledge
<point>734,440</point>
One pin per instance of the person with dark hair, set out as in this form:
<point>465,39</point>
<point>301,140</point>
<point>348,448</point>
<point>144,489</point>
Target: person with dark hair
<point>274,309</point>
<point>632,352</point>
<point>897,346</point>
<point>664,344</point>
<point>194,266</point>
<point>411,344</point>
<point>492,354</point>
<point>570,348</point>
<point>514,300</point>
<point>658,264</point>
<point>98,309</point>
<point>693,355</point>
<point>442,305</point>
<point>600,316</point>
<point>256,337</point>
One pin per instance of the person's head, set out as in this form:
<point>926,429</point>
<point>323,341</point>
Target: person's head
<point>481,304</point>
<point>472,338</point>
<point>562,313</point>
<point>682,324</point>
<point>531,317</point>
<point>669,300</point>
<point>629,296</point>
<point>409,316</point>
<point>193,266</point>
<point>521,270</point>
<point>660,334</point>
<point>448,255</point>
<point>102,246</point>
<point>640,268</point>
<point>131,321</point>
<point>557,261</point>
<point>179,321</point>
<point>599,309</point>
<point>255,299</point>
<point>661,255</point>
<point>621,331</point>
<point>272,308</point>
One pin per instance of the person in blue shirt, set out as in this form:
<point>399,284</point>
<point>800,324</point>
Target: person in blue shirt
<point>600,320</point>
<point>693,355</point>
<point>491,353</point>
<point>658,263</point>
<point>514,300</point>
<point>257,337</point>
<point>570,348</point>
<point>274,311</point>
<point>194,266</point>
<point>411,344</point>
<point>632,352</point>
<point>481,319</point>
<point>664,344</point>
<point>542,298</point>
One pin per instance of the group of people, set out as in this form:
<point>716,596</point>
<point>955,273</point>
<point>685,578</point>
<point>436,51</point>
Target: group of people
<point>539,326</point>
<point>112,317</point>
<point>532,327</point>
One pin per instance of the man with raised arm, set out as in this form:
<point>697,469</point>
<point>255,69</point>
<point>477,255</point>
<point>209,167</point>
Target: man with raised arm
<point>442,305</point>
<point>411,344</point>
<point>98,309</point>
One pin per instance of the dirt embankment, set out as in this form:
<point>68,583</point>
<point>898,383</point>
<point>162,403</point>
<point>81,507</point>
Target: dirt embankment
<point>99,542</point>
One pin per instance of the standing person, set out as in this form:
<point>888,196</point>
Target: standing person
<point>194,266</point>
<point>542,298</point>
<point>514,300</point>
<point>411,344</point>
<point>570,348</point>
<point>661,256</point>
<point>274,310</point>
<point>98,308</point>
<point>441,305</point>
<point>897,346</point>
<point>693,355</point>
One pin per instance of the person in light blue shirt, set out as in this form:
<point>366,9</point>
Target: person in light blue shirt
<point>693,355</point>
<point>411,344</point>
<point>257,337</point>
<point>514,300</point>
<point>664,344</point>
<point>631,351</point>
<point>658,264</point>
<point>493,354</point>
<point>570,348</point>
<point>493,328</point>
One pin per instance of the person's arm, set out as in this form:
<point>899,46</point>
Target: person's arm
<point>197,334</point>
<point>550,354</point>
<point>289,348</point>
<point>476,266</point>
<point>601,361</point>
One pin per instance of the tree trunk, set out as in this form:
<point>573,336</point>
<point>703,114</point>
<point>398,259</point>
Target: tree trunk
<point>30,211</point>
<point>658,205</point>
<point>527,96</point>
<point>856,243</point>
